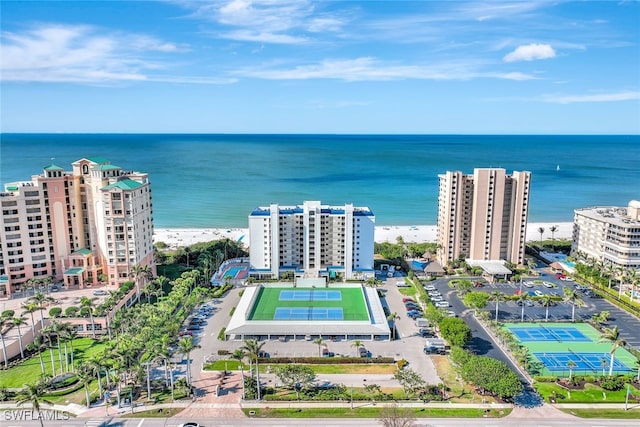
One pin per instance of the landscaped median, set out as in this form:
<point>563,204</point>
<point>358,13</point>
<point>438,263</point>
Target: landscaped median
<point>372,410</point>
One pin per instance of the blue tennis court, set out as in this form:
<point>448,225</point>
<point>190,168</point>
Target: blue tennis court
<point>583,361</point>
<point>308,313</point>
<point>310,295</point>
<point>549,334</point>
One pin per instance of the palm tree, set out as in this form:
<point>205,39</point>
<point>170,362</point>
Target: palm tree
<point>547,300</point>
<point>30,308</point>
<point>33,394</point>
<point>497,297</point>
<point>38,345</point>
<point>205,262</point>
<point>320,343</point>
<point>89,304</point>
<point>574,298</point>
<point>48,332</point>
<point>17,322</point>
<point>541,231</point>
<point>571,364</point>
<point>356,344</point>
<point>85,374</point>
<point>40,299</point>
<point>523,298</point>
<point>69,333</point>
<point>140,272</point>
<point>186,345</point>
<point>392,318</point>
<point>4,321</point>
<point>239,355</point>
<point>94,367</point>
<point>58,328</point>
<point>253,349</point>
<point>612,335</point>
<point>553,230</point>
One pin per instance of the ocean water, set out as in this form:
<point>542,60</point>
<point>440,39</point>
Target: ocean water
<point>216,180</point>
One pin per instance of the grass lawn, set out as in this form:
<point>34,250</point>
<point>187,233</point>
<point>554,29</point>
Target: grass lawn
<point>221,365</point>
<point>604,413</point>
<point>459,391</point>
<point>29,371</point>
<point>155,413</point>
<point>370,412</point>
<point>591,394</point>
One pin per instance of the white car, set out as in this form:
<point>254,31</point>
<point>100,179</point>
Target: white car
<point>442,304</point>
<point>429,288</point>
<point>100,292</point>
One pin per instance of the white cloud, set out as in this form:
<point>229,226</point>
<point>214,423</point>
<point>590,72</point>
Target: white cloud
<point>599,97</point>
<point>267,21</point>
<point>371,69</point>
<point>530,52</point>
<point>79,53</point>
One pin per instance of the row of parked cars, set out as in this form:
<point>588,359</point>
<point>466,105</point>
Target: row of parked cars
<point>436,297</point>
<point>196,322</point>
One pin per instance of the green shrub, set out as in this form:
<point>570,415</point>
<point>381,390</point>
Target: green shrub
<point>7,314</point>
<point>612,383</point>
<point>221,334</point>
<point>402,363</point>
<point>55,312</point>
<point>71,311</point>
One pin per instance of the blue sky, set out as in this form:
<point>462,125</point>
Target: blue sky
<point>296,66</point>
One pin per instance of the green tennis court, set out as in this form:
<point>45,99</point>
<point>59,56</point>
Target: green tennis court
<point>555,344</point>
<point>272,302</point>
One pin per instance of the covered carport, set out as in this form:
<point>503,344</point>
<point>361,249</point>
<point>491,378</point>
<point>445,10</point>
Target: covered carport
<point>491,270</point>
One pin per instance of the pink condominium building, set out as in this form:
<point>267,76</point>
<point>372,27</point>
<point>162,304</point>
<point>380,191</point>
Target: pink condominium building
<point>81,227</point>
<point>483,217</point>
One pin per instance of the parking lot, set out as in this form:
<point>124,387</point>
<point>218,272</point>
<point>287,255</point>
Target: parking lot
<point>510,311</point>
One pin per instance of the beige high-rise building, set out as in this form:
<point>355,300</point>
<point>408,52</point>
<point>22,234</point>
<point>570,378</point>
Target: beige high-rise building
<point>483,217</point>
<point>79,227</point>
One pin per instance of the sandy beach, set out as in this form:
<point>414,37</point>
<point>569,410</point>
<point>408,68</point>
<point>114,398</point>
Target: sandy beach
<point>177,237</point>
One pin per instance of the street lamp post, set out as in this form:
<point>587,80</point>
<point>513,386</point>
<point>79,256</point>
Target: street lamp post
<point>351,397</point>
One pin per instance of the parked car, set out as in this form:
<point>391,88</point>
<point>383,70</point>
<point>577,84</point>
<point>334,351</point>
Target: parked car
<point>528,284</point>
<point>429,288</point>
<point>100,292</point>
<point>408,299</point>
<point>528,303</point>
<point>437,299</point>
<point>190,424</point>
<point>434,294</point>
<point>538,293</point>
<point>426,333</point>
<point>185,333</point>
<point>442,304</point>
<point>547,284</point>
<point>414,314</point>
<point>193,328</point>
<point>363,352</point>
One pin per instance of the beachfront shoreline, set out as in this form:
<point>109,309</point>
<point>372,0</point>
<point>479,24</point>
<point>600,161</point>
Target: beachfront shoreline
<point>180,237</point>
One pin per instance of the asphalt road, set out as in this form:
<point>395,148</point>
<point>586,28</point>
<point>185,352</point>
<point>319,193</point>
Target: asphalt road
<point>329,422</point>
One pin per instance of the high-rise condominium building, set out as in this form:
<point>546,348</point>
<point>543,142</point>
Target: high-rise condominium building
<point>483,217</point>
<point>312,240</point>
<point>609,234</point>
<point>89,225</point>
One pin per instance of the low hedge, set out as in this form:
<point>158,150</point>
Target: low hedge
<point>326,360</point>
